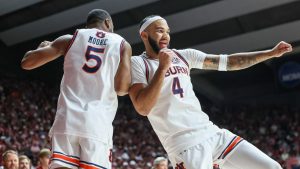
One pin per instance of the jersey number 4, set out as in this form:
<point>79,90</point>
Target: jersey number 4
<point>176,87</point>
<point>89,56</point>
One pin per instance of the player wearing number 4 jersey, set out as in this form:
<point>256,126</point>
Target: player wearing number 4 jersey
<point>96,69</point>
<point>162,90</point>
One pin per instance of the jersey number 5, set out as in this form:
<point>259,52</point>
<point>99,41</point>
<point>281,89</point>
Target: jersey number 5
<point>89,56</point>
<point>176,87</point>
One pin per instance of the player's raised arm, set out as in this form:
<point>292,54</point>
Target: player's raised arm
<point>123,75</point>
<point>46,52</point>
<point>239,61</point>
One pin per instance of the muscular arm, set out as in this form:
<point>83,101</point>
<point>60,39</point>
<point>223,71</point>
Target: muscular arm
<point>123,75</point>
<point>237,61</point>
<point>45,53</point>
<point>144,98</point>
<point>244,60</point>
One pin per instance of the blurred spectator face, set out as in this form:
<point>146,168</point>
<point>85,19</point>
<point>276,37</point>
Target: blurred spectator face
<point>44,160</point>
<point>24,164</point>
<point>11,161</point>
<point>162,165</point>
<point>44,157</point>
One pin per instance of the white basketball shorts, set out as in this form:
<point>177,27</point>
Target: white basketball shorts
<point>72,151</point>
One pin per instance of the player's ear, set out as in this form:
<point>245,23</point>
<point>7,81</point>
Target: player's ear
<point>110,24</point>
<point>144,35</point>
<point>107,24</point>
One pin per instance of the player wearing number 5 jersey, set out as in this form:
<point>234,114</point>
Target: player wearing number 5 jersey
<point>162,90</point>
<point>96,70</point>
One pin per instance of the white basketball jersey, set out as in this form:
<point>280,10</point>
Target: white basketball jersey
<point>177,117</point>
<point>88,102</point>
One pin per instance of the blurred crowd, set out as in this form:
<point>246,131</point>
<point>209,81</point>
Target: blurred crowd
<point>275,130</point>
<point>27,110</point>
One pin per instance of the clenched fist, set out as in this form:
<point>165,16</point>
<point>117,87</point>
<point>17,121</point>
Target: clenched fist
<point>281,48</point>
<point>165,58</point>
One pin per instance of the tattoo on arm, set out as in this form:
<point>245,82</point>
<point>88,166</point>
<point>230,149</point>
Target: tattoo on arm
<point>211,63</point>
<point>245,60</point>
<point>237,61</point>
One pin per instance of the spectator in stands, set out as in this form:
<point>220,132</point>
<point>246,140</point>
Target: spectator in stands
<point>10,160</point>
<point>293,162</point>
<point>24,162</point>
<point>44,157</point>
<point>160,163</point>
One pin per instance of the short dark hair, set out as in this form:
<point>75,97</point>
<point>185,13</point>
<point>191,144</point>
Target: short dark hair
<point>97,15</point>
<point>145,19</point>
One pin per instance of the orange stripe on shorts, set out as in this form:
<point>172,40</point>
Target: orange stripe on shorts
<point>86,166</point>
<point>65,158</point>
<point>236,141</point>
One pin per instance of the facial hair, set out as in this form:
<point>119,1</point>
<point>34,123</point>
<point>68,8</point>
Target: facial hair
<point>153,45</point>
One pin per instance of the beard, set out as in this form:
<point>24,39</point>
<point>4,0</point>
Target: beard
<point>154,45</point>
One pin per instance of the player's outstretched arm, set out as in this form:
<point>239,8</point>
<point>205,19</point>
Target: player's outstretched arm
<point>239,61</point>
<point>123,75</point>
<point>46,52</point>
<point>145,97</point>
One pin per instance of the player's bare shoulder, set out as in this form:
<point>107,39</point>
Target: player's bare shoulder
<point>62,43</point>
<point>64,39</point>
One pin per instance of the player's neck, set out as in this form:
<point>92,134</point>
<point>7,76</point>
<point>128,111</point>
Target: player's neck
<point>97,26</point>
<point>151,54</point>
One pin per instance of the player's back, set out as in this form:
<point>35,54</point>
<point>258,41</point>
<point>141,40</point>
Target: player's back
<point>88,102</point>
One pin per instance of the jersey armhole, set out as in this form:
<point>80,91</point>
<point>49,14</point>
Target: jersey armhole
<point>147,69</point>
<point>71,42</point>
<point>122,48</point>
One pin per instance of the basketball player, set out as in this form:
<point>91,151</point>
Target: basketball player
<point>162,90</point>
<point>96,69</point>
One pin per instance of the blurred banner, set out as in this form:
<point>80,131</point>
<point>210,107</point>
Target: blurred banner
<point>289,74</point>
